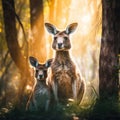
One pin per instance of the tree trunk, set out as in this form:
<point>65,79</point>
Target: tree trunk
<point>108,73</point>
<point>11,33</point>
<point>20,60</point>
<point>38,42</point>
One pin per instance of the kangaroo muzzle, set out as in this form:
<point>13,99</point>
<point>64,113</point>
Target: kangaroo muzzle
<point>40,74</point>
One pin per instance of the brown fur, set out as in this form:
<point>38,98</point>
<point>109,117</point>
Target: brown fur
<point>66,82</point>
<point>64,74</point>
<point>40,97</point>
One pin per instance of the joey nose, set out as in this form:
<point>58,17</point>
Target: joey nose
<point>59,45</point>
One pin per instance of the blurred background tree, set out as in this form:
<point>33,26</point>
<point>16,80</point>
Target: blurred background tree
<point>37,30</point>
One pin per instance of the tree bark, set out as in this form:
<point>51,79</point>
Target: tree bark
<point>11,34</point>
<point>19,59</point>
<point>108,73</point>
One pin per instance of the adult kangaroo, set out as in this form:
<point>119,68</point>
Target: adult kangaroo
<point>65,79</point>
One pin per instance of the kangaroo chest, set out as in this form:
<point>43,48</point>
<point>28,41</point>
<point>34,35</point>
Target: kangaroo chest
<point>64,74</point>
<point>41,90</point>
<point>63,70</point>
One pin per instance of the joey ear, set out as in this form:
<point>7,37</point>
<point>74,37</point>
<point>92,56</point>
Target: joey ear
<point>71,28</point>
<point>49,62</point>
<point>51,28</point>
<point>33,61</point>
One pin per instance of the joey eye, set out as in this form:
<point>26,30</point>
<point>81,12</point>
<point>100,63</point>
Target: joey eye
<point>65,38</point>
<point>37,71</point>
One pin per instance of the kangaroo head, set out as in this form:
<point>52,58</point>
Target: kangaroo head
<point>61,39</point>
<point>40,69</point>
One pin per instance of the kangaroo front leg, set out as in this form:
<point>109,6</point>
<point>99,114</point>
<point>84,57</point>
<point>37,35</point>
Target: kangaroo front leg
<point>74,89</point>
<point>34,103</point>
<point>47,105</point>
<point>55,91</point>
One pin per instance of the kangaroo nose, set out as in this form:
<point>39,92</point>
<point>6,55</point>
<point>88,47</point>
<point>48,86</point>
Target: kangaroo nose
<point>59,45</point>
<point>41,76</point>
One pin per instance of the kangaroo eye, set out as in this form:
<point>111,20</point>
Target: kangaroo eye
<point>65,38</point>
<point>55,38</point>
<point>44,71</point>
<point>37,71</point>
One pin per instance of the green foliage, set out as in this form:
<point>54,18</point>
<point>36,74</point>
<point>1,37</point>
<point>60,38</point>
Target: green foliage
<point>107,109</point>
<point>59,112</point>
<point>102,110</point>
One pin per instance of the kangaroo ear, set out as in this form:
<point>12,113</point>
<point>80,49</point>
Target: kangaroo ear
<point>51,28</point>
<point>71,28</point>
<point>49,62</point>
<point>33,61</point>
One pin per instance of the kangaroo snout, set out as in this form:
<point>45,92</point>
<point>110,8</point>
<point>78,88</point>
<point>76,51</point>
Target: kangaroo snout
<point>60,45</point>
<point>40,74</point>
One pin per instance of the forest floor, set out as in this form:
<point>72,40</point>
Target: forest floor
<point>105,110</point>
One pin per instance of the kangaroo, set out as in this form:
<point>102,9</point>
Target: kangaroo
<point>40,99</point>
<point>64,78</point>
